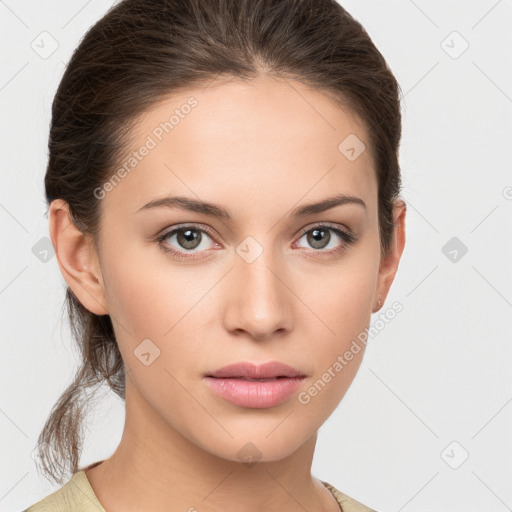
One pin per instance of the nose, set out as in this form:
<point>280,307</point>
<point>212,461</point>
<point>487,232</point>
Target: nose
<point>259,300</point>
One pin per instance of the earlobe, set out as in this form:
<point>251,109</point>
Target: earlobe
<point>389,264</point>
<point>77,258</point>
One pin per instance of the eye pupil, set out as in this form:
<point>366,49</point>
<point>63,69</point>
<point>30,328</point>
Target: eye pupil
<point>315,238</point>
<point>188,238</point>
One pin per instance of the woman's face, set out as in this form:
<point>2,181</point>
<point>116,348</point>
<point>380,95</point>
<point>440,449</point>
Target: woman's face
<point>249,279</point>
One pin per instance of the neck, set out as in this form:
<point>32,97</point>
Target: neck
<point>157,468</point>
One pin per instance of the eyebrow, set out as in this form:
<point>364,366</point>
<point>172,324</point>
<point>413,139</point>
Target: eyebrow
<point>198,206</point>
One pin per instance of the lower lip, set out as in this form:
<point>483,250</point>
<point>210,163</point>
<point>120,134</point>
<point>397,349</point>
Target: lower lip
<point>255,394</point>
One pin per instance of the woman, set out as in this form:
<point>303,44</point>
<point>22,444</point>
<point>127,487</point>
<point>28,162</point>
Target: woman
<point>223,188</point>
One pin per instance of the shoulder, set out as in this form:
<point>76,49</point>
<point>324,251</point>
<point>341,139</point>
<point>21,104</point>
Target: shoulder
<point>347,503</point>
<point>76,495</point>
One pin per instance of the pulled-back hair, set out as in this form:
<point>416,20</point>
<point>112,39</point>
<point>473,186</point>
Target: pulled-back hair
<point>141,51</point>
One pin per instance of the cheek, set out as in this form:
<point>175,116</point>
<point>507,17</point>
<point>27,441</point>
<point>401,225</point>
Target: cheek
<point>148,302</point>
<point>159,301</point>
<point>137,301</point>
<point>343,303</point>
<point>342,296</point>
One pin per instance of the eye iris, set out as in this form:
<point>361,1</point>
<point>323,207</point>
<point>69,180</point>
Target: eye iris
<point>315,238</point>
<point>188,238</point>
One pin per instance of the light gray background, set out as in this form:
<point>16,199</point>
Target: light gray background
<point>439,372</point>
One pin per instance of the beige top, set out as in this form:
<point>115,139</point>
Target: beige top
<point>77,495</point>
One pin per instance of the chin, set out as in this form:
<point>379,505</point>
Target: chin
<point>268,445</point>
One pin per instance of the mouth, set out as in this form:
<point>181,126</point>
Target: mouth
<point>257,387</point>
<point>253,380</point>
<point>251,372</point>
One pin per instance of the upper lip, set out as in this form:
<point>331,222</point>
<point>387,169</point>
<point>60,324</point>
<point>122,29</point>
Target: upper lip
<point>252,371</point>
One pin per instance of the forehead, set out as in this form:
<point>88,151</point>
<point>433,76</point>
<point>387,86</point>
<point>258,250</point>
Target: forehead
<point>268,139</point>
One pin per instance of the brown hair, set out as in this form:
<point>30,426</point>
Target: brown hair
<point>143,50</point>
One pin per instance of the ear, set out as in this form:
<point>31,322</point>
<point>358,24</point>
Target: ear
<point>77,257</point>
<point>389,263</point>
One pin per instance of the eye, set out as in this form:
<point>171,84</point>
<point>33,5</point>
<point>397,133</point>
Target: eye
<point>320,239</point>
<point>188,238</point>
<point>191,240</point>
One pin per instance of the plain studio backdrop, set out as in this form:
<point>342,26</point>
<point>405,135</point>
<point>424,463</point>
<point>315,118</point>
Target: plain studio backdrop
<point>427,423</point>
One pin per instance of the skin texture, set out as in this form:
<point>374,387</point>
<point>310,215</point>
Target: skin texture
<point>259,150</point>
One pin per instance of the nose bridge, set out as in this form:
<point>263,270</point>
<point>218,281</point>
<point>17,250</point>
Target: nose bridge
<point>259,298</point>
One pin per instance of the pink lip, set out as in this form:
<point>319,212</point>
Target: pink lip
<point>281,381</point>
<point>252,371</point>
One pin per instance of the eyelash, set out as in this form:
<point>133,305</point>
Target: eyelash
<point>347,236</point>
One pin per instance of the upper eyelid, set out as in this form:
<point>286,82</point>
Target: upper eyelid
<point>167,231</point>
<point>210,232</point>
<point>326,224</point>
